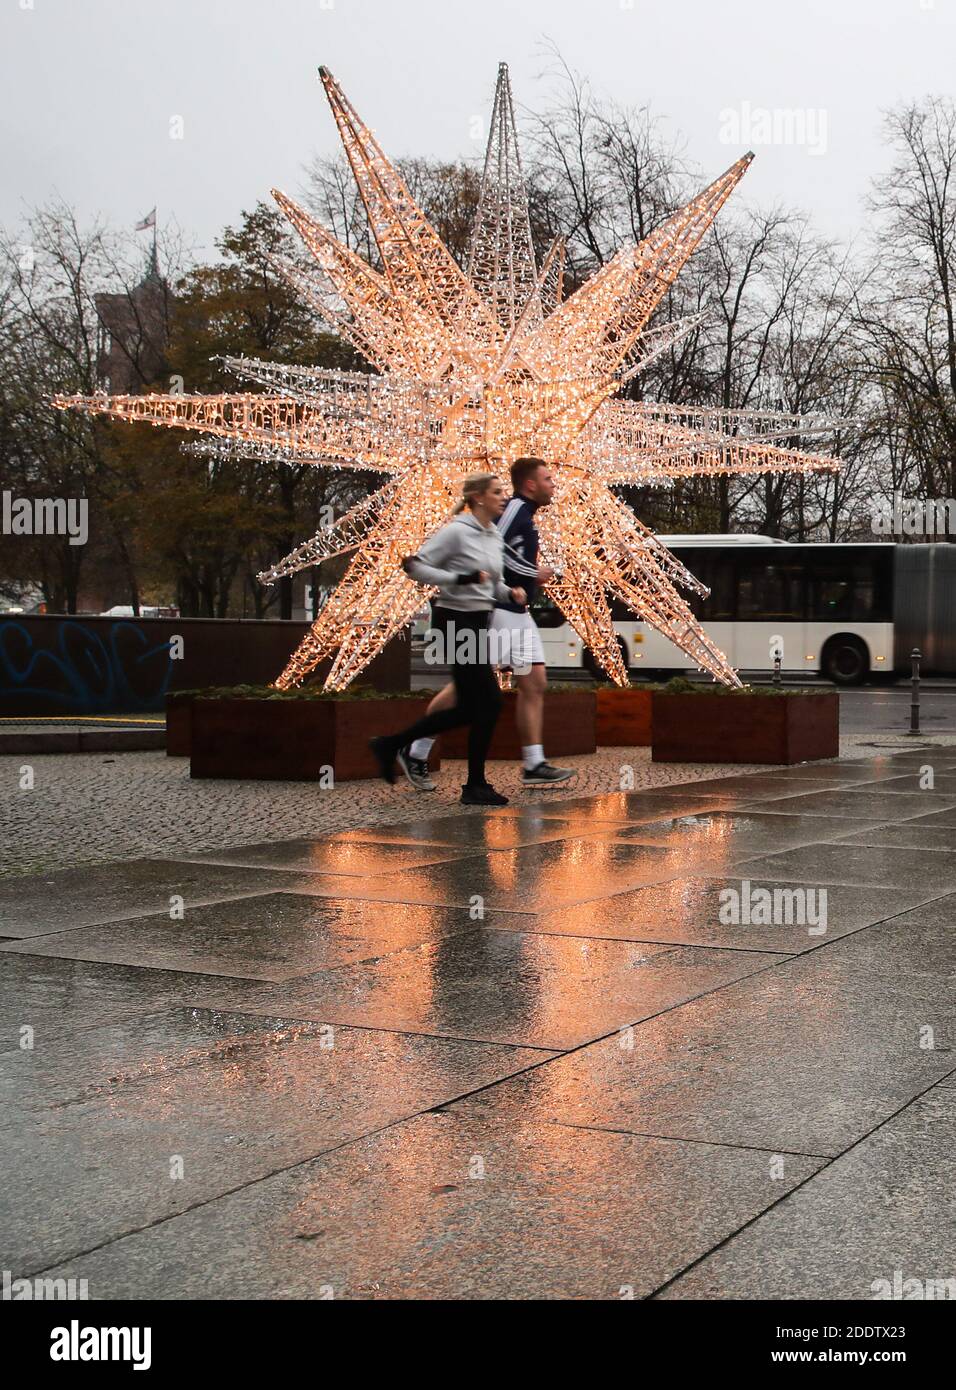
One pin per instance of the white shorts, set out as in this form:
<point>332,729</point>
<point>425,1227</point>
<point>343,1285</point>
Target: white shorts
<point>517,641</point>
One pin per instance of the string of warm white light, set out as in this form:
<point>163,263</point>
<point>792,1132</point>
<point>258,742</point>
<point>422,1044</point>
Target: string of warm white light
<point>501,260</point>
<point>476,370</point>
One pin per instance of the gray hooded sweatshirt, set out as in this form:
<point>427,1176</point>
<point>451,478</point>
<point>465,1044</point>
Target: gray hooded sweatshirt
<point>452,557</point>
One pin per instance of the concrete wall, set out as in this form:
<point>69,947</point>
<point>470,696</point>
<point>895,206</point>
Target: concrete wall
<point>55,665</point>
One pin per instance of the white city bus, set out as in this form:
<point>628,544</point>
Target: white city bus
<point>846,611</point>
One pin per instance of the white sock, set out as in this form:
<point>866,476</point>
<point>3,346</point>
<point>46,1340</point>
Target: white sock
<point>421,748</point>
<point>532,755</point>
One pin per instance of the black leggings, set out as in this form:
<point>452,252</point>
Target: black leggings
<point>477,696</point>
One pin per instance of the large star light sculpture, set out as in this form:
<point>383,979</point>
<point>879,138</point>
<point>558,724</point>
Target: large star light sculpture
<point>474,369</point>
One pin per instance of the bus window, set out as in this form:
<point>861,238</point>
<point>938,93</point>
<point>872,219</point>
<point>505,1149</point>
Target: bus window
<point>716,571</point>
<point>833,599</point>
<point>547,614</point>
<point>620,613</point>
<point>769,592</point>
<point>848,592</point>
<point>718,575</point>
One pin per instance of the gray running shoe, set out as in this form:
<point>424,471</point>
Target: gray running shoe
<point>415,770</point>
<point>544,775</point>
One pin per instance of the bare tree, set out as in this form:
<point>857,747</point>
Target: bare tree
<point>447,193</point>
<point>907,314</point>
<point>602,174</point>
<point>53,271</point>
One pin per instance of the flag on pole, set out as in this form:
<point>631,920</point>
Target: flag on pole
<point>148,221</point>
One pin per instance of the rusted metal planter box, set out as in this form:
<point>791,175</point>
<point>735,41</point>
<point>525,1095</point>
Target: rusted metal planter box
<point>624,718</point>
<point>745,728</point>
<point>294,740</point>
<point>178,725</point>
<point>570,726</point>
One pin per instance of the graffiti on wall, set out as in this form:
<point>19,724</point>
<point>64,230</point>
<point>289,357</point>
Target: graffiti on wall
<point>81,668</point>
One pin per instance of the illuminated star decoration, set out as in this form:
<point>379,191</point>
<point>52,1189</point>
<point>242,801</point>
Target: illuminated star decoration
<point>474,369</point>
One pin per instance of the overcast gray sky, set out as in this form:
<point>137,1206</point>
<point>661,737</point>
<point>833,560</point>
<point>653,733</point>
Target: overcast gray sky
<point>89,88</point>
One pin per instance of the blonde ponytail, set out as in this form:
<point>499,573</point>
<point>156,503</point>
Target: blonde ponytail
<point>475,485</point>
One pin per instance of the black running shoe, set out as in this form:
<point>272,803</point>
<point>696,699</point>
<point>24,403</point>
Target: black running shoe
<point>384,754</point>
<point>544,775</point>
<point>415,770</point>
<point>482,795</point>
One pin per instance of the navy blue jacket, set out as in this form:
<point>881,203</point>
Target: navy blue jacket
<point>520,536</point>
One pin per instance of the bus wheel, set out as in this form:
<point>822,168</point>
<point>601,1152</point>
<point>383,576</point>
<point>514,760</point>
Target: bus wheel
<point>597,672</point>
<point>845,660</point>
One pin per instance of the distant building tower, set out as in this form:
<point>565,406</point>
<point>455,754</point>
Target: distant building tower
<point>134,333</point>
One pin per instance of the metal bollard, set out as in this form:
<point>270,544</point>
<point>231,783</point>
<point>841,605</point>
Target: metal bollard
<point>776,670</point>
<point>916,657</point>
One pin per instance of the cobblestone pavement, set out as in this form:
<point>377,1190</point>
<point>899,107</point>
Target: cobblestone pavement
<point>87,808</point>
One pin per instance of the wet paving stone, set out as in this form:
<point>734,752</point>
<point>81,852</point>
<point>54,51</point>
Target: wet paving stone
<point>525,880</point>
<point>758,786</point>
<point>98,1062</point>
<point>634,806</point>
<point>273,937</point>
<point>447,1206</point>
<point>324,857</point>
<point>941,757</point>
<point>473,833</point>
<point>905,834</point>
<point>32,906</point>
<point>261,1099</point>
<point>55,997</point>
<point>845,771</point>
<point>919,945</point>
<point>926,871</point>
<point>339,1027</point>
<point>863,1228</point>
<point>516,987</point>
<point>944,820</point>
<point>726,836</point>
<point>710,911</point>
<point>803,1058</point>
<point>859,803</point>
<point>944,784</point>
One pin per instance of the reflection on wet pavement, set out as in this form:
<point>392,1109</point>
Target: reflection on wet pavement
<point>274,937</point>
<point>473,833</point>
<point>551,1051</point>
<point>726,836</point>
<point>863,802</point>
<point>443,1207</point>
<point>689,911</point>
<point>789,1059</point>
<point>261,1094</point>
<point>109,892</point>
<point>322,857</point>
<point>503,985</point>
<point>886,868</point>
